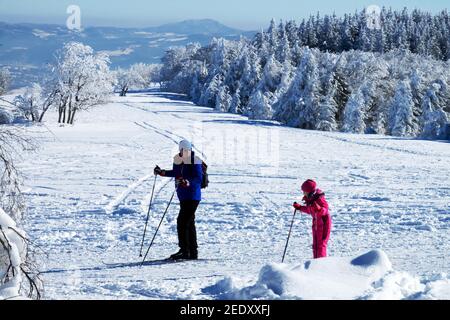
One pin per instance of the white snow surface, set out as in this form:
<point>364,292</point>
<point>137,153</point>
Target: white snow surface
<point>88,189</point>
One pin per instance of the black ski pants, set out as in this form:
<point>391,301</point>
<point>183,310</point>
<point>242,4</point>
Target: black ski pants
<point>187,235</point>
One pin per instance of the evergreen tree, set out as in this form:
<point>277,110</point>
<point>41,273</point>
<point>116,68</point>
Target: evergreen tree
<point>434,119</point>
<point>259,106</point>
<point>401,112</point>
<point>354,113</point>
<point>235,106</point>
<point>223,100</point>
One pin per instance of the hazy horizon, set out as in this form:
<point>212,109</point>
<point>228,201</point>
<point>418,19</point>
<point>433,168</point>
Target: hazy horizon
<point>251,15</point>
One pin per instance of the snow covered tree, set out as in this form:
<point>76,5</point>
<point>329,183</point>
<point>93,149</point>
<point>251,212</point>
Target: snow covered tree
<point>281,73</point>
<point>195,91</point>
<point>401,112</point>
<point>172,62</point>
<point>259,106</point>
<point>30,102</point>
<point>283,50</point>
<point>271,75</point>
<point>300,106</point>
<point>123,81</point>
<point>83,80</point>
<point>138,76</point>
<point>4,81</point>
<point>418,92</point>
<point>36,101</point>
<point>272,35</point>
<point>16,265</point>
<point>309,88</point>
<point>326,115</point>
<point>287,74</point>
<point>235,106</point>
<point>434,119</point>
<point>251,76</point>
<point>354,113</point>
<point>223,100</point>
<point>210,92</point>
<point>6,115</point>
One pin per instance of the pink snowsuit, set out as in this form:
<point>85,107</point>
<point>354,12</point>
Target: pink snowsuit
<point>317,207</point>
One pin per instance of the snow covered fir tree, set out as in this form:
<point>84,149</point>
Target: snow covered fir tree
<point>328,73</point>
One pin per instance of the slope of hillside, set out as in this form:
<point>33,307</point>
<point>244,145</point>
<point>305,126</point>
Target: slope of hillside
<point>89,185</point>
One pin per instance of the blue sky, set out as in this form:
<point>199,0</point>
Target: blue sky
<point>244,14</point>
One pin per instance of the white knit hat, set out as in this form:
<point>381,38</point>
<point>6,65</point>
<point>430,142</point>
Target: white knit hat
<point>186,145</point>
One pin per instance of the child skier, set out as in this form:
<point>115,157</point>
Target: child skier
<point>317,207</point>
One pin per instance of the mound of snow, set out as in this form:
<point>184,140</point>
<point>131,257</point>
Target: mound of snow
<point>368,276</point>
<point>329,278</point>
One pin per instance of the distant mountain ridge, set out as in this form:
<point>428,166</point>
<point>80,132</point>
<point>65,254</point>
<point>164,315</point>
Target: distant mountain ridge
<point>26,47</point>
<point>203,26</point>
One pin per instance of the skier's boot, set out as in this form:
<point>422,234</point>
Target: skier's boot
<point>193,254</point>
<point>180,255</point>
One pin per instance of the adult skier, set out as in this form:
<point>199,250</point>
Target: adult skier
<point>316,205</point>
<point>187,171</point>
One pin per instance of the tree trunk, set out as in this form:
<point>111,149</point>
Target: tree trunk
<point>41,117</point>
<point>60,112</point>
<point>69,111</point>
<point>64,115</point>
<point>32,113</point>
<point>73,116</point>
<point>44,110</point>
<point>124,91</point>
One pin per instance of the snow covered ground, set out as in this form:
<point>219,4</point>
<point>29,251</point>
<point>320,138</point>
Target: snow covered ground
<point>89,185</point>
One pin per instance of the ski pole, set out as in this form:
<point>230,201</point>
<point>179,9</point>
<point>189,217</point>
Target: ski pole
<point>289,235</point>
<point>148,215</point>
<point>154,236</point>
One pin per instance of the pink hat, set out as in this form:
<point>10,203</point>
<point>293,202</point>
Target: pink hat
<point>309,186</point>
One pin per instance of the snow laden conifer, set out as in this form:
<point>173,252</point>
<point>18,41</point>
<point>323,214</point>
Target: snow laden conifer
<point>354,113</point>
<point>210,92</point>
<point>250,77</point>
<point>223,100</point>
<point>259,106</point>
<point>261,101</point>
<point>309,75</point>
<point>300,107</point>
<point>328,97</point>
<point>235,106</point>
<point>435,121</point>
<point>401,116</point>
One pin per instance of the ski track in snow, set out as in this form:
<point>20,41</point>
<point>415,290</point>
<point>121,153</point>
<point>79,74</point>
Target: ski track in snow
<point>88,193</point>
<point>119,199</point>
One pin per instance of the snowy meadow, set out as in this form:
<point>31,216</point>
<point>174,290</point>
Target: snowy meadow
<point>88,209</point>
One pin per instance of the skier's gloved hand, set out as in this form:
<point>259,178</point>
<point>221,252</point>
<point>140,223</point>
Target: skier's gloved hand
<point>183,183</point>
<point>158,172</point>
<point>297,205</point>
